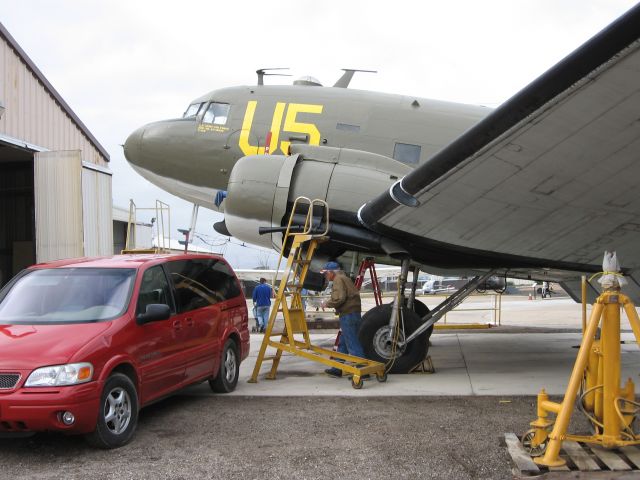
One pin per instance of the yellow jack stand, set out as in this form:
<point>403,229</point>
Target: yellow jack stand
<point>611,409</point>
<point>303,246</point>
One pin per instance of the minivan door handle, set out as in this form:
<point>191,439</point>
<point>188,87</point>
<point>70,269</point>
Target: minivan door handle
<point>189,322</point>
<point>177,324</point>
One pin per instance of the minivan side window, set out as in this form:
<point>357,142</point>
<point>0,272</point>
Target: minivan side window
<point>201,282</point>
<point>154,289</point>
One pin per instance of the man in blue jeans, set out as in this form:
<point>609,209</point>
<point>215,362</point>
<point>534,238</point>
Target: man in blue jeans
<point>262,303</point>
<point>345,298</point>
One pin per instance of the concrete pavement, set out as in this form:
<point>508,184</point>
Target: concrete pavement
<point>467,363</point>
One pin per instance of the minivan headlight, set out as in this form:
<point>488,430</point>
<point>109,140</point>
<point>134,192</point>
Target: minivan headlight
<point>57,375</point>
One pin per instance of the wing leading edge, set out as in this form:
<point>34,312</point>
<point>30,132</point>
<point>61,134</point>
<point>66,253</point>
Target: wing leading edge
<point>545,183</point>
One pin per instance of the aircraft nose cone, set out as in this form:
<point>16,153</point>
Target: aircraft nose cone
<point>132,146</point>
<point>165,148</point>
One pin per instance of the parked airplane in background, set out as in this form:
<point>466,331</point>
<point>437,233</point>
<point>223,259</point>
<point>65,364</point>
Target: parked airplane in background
<point>537,188</point>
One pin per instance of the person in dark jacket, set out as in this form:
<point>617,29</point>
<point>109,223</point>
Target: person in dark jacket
<point>345,298</point>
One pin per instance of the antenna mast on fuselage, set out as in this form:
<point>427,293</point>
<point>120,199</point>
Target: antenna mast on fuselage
<point>345,79</point>
<point>262,72</point>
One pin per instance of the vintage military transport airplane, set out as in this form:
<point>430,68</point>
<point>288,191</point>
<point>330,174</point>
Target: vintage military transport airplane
<point>537,188</point>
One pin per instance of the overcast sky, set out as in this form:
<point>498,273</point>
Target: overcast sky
<point>123,63</point>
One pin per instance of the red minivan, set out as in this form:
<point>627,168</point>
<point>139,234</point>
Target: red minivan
<point>85,343</point>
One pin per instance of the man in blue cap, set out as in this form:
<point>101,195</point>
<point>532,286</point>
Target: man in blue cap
<point>345,298</point>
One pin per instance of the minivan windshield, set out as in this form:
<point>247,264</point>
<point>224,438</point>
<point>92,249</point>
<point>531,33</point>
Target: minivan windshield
<point>67,295</point>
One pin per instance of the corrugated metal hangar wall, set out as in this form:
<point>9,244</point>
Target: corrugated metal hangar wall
<point>55,185</point>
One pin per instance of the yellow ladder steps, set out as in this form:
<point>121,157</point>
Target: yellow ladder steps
<point>297,267</point>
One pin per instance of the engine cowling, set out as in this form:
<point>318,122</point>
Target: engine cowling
<point>262,188</point>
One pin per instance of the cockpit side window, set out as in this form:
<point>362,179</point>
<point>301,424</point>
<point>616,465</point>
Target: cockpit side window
<point>217,113</point>
<point>193,110</point>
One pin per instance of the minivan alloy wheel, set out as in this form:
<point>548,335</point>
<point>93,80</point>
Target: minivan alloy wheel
<point>227,377</point>
<point>230,364</point>
<point>117,410</point>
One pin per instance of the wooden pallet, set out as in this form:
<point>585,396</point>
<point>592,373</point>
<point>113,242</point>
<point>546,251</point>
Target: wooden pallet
<point>580,457</point>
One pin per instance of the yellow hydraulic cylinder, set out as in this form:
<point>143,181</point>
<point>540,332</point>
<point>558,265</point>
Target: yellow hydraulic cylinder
<point>610,338</point>
<point>598,408</point>
<point>591,377</point>
<point>542,412</point>
<point>542,423</point>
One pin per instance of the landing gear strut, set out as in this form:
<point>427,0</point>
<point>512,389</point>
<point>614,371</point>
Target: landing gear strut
<point>399,336</point>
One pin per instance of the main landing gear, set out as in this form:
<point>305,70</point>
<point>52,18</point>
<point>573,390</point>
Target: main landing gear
<point>399,337</point>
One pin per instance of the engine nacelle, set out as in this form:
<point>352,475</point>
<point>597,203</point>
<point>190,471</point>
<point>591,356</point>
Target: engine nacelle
<point>262,188</point>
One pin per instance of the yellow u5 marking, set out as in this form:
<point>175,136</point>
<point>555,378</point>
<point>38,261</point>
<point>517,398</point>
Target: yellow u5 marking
<point>290,125</point>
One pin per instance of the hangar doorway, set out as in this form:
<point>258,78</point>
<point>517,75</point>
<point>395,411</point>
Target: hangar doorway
<point>17,213</point>
<point>52,206</point>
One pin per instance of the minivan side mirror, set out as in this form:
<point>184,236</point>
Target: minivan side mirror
<point>154,313</point>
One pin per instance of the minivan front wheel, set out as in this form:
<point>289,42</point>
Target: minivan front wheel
<point>118,414</point>
<point>227,378</point>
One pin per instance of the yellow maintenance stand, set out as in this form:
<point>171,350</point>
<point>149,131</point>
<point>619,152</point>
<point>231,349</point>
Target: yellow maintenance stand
<point>303,241</point>
<point>610,408</point>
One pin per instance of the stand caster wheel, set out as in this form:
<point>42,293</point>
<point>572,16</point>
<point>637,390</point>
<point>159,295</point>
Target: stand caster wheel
<point>357,384</point>
<point>381,378</point>
<point>527,440</point>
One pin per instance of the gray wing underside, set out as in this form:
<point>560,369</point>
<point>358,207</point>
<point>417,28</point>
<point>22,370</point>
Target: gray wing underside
<point>550,177</point>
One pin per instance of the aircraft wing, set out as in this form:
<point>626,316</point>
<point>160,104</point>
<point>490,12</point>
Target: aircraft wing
<point>543,185</point>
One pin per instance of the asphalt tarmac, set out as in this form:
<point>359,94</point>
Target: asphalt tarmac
<point>305,425</point>
<point>208,436</point>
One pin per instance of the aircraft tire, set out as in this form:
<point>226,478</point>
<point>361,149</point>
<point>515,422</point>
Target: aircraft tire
<point>421,309</point>
<point>375,337</point>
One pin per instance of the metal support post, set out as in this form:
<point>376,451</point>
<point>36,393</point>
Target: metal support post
<point>399,298</point>
<point>610,338</point>
<point>414,285</point>
<point>194,219</point>
<point>584,303</point>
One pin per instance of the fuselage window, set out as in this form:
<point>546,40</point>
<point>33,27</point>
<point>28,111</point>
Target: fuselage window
<point>193,110</point>
<point>217,113</point>
<point>407,153</point>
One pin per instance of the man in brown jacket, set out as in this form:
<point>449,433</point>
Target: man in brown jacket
<point>345,298</point>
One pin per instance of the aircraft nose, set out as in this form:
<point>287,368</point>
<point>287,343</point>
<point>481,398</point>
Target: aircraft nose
<point>166,149</point>
<point>132,146</point>
<point>159,147</point>
<point>169,150</point>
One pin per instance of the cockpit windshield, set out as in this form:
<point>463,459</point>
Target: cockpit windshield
<point>67,295</point>
<point>217,113</point>
<point>193,110</point>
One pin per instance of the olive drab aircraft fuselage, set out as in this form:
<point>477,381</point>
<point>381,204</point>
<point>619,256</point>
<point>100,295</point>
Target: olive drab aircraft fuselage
<point>193,157</point>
